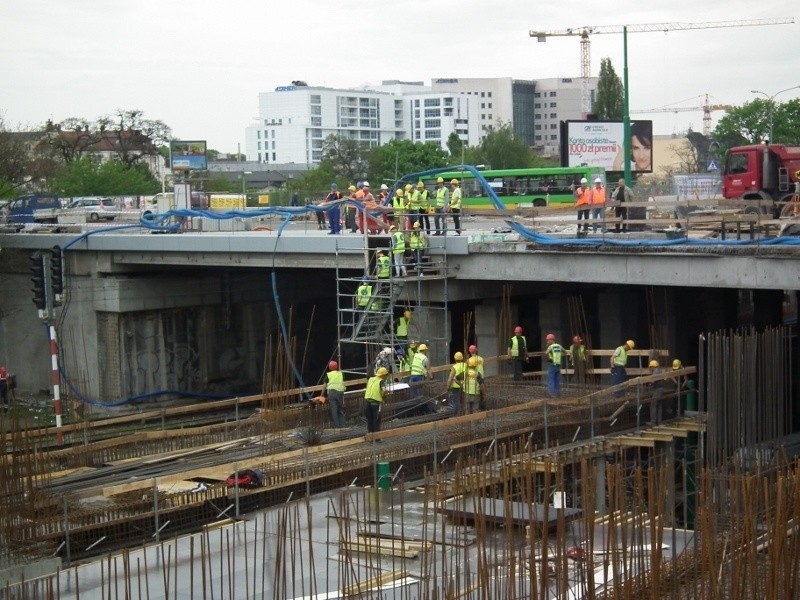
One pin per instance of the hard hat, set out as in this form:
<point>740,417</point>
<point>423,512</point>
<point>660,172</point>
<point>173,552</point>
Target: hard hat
<point>352,188</point>
<point>422,347</point>
<point>407,314</point>
<point>360,184</point>
<point>630,344</point>
<point>334,186</point>
<point>653,364</point>
<point>597,180</point>
<point>416,224</point>
<point>439,180</point>
<point>398,192</point>
<point>386,351</point>
<point>400,352</point>
<point>384,186</point>
<point>333,365</point>
<point>412,344</point>
<point>472,362</point>
<point>392,228</point>
<point>550,336</point>
<point>676,364</point>
<point>577,339</point>
<point>382,372</point>
<point>473,349</point>
<point>458,356</point>
<point>584,180</point>
<point>454,182</point>
<point>517,330</point>
<point>409,187</point>
<point>379,252</point>
<point>366,183</point>
<point>420,184</point>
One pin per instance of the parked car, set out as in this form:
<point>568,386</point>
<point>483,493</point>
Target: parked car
<point>22,208</point>
<point>96,207</point>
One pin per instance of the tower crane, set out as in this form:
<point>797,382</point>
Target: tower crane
<point>706,107</point>
<point>586,30</point>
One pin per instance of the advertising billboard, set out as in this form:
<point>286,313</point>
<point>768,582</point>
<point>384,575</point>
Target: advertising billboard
<point>600,144</point>
<point>188,156</point>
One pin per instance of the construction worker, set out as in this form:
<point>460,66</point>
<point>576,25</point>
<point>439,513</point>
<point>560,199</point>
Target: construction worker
<point>455,382</point>
<point>676,386</point>
<point>414,205</point>
<point>418,241</point>
<point>4,387</point>
<point>619,359</point>
<point>577,359</point>
<point>411,350</point>
<point>398,247</point>
<point>373,399</point>
<point>383,359</point>
<point>582,199</point>
<point>335,212</point>
<point>403,323</point>
<point>420,369</point>
<point>473,381</point>
<point>383,272</point>
<point>597,200</point>
<point>518,352</point>
<point>554,353</point>
<point>364,293</point>
<point>403,363</point>
<point>399,209</point>
<point>658,388</point>
<point>455,205</point>
<point>333,388</point>
<point>441,204</point>
<point>424,206</point>
<point>473,352</point>
<point>350,211</point>
<point>384,201</point>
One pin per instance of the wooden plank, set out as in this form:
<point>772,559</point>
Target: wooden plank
<point>357,589</point>
<point>632,442</point>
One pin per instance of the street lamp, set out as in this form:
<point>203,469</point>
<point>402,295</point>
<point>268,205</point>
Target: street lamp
<point>244,182</point>
<point>771,100</point>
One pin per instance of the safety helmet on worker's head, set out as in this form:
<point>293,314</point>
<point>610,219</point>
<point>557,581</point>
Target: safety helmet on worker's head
<point>352,188</point>
<point>550,337</point>
<point>386,351</point>
<point>409,187</point>
<point>420,185</point>
<point>333,365</point>
<point>458,356</point>
<point>472,349</point>
<point>416,224</point>
<point>360,184</point>
<point>598,180</point>
<point>384,186</point>
<point>334,186</point>
<point>630,344</point>
<point>577,339</point>
<point>400,352</point>
<point>382,372</point>
<point>439,180</point>
<point>472,362</point>
<point>379,253</point>
<point>653,364</point>
<point>517,330</point>
<point>365,184</point>
<point>398,192</point>
<point>407,314</point>
<point>676,364</point>
<point>412,344</point>
<point>422,347</point>
<point>392,228</point>
<point>454,182</point>
<point>584,180</point>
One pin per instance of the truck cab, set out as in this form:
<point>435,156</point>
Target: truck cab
<point>22,209</point>
<point>762,175</point>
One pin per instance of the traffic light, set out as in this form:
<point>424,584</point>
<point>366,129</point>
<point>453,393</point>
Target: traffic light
<point>57,271</point>
<point>37,277</point>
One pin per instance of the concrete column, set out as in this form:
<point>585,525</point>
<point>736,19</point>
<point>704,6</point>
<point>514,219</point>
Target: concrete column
<point>431,325</point>
<point>489,340</point>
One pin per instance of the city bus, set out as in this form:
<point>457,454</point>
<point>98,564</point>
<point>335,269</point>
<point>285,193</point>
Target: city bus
<point>521,187</point>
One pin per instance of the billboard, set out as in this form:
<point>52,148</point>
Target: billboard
<point>188,156</point>
<point>600,144</point>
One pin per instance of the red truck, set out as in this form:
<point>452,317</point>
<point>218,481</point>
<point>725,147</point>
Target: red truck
<point>763,175</point>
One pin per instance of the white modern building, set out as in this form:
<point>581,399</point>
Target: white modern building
<point>294,120</point>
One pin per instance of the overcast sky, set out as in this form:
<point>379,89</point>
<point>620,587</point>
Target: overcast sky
<point>199,66</point>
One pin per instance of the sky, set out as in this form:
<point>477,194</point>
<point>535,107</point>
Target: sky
<point>199,66</point>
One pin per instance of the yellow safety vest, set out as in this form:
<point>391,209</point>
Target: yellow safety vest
<point>515,344</point>
<point>399,242</point>
<point>364,293</point>
<point>442,196</point>
<point>336,381</point>
<point>384,267</point>
<point>554,352</point>
<point>458,369</point>
<point>620,357</point>
<point>402,327</point>
<point>416,241</point>
<point>472,385</point>
<point>455,199</point>
<point>418,364</point>
<point>374,391</point>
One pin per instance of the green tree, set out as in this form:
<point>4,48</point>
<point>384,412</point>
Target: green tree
<point>396,158</point>
<point>132,136</point>
<point>454,146</point>
<point>609,104</point>
<point>87,176</point>
<point>344,157</point>
<point>14,162</point>
<point>501,149</point>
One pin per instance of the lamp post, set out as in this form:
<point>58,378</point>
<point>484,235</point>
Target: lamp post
<point>244,183</point>
<point>771,100</point>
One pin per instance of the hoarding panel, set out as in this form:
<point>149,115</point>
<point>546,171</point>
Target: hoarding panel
<point>188,155</point>
<point>600,144</point>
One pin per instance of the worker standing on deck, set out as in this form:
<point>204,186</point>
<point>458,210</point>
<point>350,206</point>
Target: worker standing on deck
<point>554,353</point>
<point>333,388</point>
<point>350,211</point>
<point>582,195</point>
<point>473,381</point>
<point>418,241</point>
<point>420,369</point>
<point>441,204</point>
<point>398,247</point>
<point>455,382</point>
<point>597,200</point>
<point>364,294</point>
<point>335,213</point>
<point>658,388</point>
<point>414,201</point>
<point>577,360</point>
<point>619,359</point>
<point>455,205</point>
<point>373,400</point>
<point>399,209</point>
<point>424,207</point>
<point>473,353</point>
<point>518,352</point>
<point>403,323</point>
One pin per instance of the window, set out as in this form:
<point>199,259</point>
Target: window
<point>273,157</point>
<point>537,127</point>
<point>432,112</point>
<point>490,105</point>
<point>316,110</point>
<point>316,121</point>
<point>538,138</point>
<point>553,115</point>
<point>432,102</point>
<point>316,99</point>
<point>552,105</point>
<point>537,94</point>
<point>552,94</point>
<point>537,105</point>
<point>429,123</point>
<point>273,144</point>
<point>553,126</point>
<point>483,94</point>
<point>553,137</point>
<point>490,94</point>
<point>483,104</point>
<point>259,146</point>
<point>259,134</point>
<point>537,116</point>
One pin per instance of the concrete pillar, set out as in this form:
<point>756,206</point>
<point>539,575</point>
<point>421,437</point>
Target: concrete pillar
<point>489,340</point>
<point>431,325</point>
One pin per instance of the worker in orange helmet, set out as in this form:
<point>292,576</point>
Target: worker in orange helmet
<point>518,352</point>
<point>473,352</point>
<point>333,388</point>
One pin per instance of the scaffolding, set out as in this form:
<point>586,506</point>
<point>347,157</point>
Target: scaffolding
<point>365,328</point>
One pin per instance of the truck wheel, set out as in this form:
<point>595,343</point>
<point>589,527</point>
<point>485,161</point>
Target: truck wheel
<point>94,217</point>
<point>539,202</point>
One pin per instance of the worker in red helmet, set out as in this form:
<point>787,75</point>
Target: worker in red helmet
<point>518,352</point>
<point>473,352</point>
<point>554,354</point>
<point>577,360</point>
<point>333,388</point>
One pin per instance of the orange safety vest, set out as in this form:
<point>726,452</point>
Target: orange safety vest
<point>597,195</point>
<point>582,195</point>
